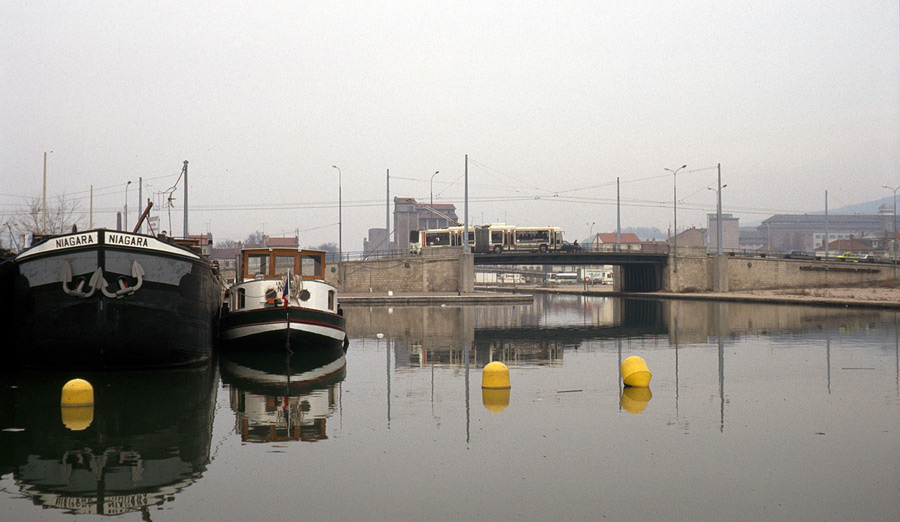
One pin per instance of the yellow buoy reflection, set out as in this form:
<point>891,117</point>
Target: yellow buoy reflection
<point>495,399</point>
<point>635,399</point>
<point>77,418</point>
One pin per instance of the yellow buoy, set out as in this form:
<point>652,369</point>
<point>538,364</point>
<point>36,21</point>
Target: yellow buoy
<point>77,404</point>
<point>634,399</point>
<point>495,399</point>
<point>635,372</point>
<point>495,375</point>
<point>77,392</point>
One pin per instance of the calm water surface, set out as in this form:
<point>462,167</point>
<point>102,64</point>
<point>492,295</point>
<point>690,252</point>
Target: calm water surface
<point>754,413</point>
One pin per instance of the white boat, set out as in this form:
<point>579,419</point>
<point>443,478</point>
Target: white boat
<point>281,299</point>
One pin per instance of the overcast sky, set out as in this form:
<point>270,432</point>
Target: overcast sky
<point>552,101</point>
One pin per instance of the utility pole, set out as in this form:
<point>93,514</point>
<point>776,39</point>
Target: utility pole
<point>185,200</point>
<point>618,219</point>
<point>675,217</point>
<point>827,239</point>
<point>387,216</point>
<point>894,238</point>
<point>719,214</point>
<point>466,211</point>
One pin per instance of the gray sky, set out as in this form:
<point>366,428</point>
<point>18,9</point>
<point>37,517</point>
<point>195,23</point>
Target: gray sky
<point>551,101</point>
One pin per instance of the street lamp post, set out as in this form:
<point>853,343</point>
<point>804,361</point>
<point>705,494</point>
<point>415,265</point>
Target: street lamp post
<point>340,223</point>
<point>432,189</point>
<point>125,217</point>
<point>675,210</point>
<point>718,216</point>
<point>894,238</point>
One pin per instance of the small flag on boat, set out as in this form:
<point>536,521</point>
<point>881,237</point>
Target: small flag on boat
<point>287,290</point>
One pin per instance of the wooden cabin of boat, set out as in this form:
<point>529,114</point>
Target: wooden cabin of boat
<point>275,263</point>
<point>261,265</point>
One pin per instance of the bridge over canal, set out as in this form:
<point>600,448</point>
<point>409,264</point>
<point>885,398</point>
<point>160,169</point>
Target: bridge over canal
<point>636,271</point>
<point>445,270</point>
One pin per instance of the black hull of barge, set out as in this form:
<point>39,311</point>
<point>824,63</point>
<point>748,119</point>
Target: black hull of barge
<point>169,320</point>
<point>155,332</point>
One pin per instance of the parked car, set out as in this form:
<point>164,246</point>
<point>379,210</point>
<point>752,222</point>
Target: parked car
<point>848,256</point>
<point>798,254</point>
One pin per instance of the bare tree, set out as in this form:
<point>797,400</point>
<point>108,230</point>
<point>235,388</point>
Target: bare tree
<point>257,238</point>
<point>62,217</point>
<point>331,248</point>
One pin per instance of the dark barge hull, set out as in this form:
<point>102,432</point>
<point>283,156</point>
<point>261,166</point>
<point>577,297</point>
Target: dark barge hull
<point>80,303</point>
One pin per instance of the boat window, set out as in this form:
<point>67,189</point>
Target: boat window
<point>331,299</point>
<point>257,264</point>
<point>241,298</point>
<point>283,265</point>
<point>312,266</point>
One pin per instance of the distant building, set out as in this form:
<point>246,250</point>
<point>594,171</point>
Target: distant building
<point>376,242</point>
<point>204,240</point>
<point>806,232</point>
<point>841,246</point>
<point>410,215</point>
<point>227,260</point>
<point>282,242</point>
<point>607,241</point>
<point>751,239</point>
<point>692,237</point>
<point>730,233</point>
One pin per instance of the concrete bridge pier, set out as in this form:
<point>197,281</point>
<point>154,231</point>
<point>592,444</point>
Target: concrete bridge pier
<point>719,273</point>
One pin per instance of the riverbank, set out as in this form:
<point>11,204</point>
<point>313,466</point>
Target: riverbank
<point>436,298</point>
<point>864,297</point>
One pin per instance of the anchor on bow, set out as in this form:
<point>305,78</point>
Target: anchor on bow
<point>98,281</point>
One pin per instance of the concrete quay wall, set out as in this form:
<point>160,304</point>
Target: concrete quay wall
<point>451,272</point>
<point>701,272</point>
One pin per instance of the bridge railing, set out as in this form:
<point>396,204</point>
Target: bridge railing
<point>656,248</point>
<point>332,257</point>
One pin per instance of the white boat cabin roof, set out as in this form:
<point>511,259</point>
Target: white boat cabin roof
<point>274,263</point>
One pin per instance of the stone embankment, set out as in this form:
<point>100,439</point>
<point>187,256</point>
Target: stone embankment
<point>433,298</point>
<point>868,297</point>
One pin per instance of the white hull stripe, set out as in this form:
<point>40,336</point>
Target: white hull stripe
<point>243,331</point>
<point>298,379</point>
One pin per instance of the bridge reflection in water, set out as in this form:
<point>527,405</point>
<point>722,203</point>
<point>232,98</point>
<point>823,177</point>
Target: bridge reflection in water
<point>535,334</point>
<point>543,333</point>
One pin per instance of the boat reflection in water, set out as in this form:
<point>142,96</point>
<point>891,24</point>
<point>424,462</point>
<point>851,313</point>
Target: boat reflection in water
<point>279,396</point>
<point>146,438</point>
